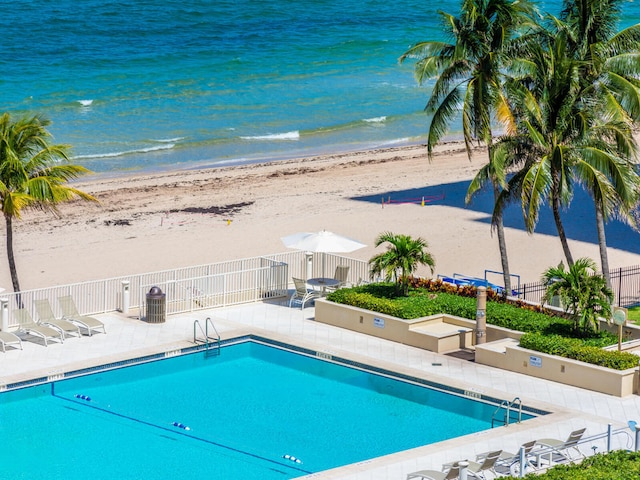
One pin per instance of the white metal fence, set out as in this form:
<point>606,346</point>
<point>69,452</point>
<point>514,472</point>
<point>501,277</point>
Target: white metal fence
<point>190,288</point>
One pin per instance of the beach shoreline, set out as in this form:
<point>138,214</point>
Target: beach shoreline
<point>165,220</point>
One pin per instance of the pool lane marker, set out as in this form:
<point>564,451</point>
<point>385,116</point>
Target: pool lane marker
<point>181,425</point>
<point>291,458</point>
<point>172,429</point>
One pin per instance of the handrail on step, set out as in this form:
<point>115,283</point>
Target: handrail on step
<point>205,333</point>
<point>508,407</point>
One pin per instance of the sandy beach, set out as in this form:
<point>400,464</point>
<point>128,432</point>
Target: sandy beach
<point>151,222</point>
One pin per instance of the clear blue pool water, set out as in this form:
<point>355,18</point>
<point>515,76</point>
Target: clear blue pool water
<point>245,410</point>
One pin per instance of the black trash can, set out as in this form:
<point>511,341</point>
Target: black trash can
<point>156,306</point>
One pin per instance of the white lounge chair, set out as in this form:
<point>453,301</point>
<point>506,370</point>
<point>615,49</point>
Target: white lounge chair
<point>451,474</point>
<point>47,317</point>
<point>8,338</point>
<point>559,451</point>
<point>70,312</point>
<point>509,463</point>
<point>28,326</point>
<point>302,293</point>
<point>487,464</point>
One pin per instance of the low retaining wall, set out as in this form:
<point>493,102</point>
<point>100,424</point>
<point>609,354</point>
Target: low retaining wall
<point>508,355</point>
<point>442,333</point>
<point>436,333</point>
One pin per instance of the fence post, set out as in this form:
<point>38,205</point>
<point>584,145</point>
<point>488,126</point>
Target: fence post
<point>4,313</point>
<point>481,312</point>
<point>609,438</point>
<point>523,462</point>
<point>637,437</point>
<point>126,296</point>
<point>619,286</point>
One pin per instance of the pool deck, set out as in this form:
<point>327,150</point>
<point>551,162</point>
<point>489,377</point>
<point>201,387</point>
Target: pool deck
<point>128,337</point>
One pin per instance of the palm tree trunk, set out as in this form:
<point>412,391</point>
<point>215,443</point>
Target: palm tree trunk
<point>561,232</point>
<point>12,261</point>
<point>502,244</point>
<point>602,243</point>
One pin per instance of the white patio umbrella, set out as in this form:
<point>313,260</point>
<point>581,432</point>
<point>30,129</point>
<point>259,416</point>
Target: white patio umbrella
<point>323,241</point>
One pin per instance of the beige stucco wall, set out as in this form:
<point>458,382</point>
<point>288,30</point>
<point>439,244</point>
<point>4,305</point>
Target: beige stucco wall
<point>426,332</point>
<point>442,333</point>
<point>508,355</point>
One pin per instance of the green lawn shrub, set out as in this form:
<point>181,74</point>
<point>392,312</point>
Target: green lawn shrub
<point>544,333</point>
<point>616,465</point>
<point>577,350</point>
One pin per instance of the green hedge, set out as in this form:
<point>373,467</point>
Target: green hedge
<point>577,350</point>
<point>544,333</point>
<point>616,465</point>
<point>421,303</point>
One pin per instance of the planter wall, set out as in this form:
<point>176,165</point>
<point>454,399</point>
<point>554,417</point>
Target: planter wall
<point>507,355</point>
<point>442,333</point>
<point>436,333</point>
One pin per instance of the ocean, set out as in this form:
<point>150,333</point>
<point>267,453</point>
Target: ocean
<point>139,85</point>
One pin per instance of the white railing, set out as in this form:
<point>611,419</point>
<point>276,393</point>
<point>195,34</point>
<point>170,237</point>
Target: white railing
<point>224,283</point>
<point>220,290</point>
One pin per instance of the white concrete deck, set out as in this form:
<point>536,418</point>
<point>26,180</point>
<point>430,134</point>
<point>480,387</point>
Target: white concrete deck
<point>128,337</point>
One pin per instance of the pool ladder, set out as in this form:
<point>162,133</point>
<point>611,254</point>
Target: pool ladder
<point>211,343</point>
<point>512,411</point>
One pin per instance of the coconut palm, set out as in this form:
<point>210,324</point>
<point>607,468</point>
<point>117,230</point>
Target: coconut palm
<point>584,294</point>
<point>581,97</point>
<point>611,67</point>
<point>33,174</point>
<point>403,256</point>
<point>469,75</point>
<point>551,133</point>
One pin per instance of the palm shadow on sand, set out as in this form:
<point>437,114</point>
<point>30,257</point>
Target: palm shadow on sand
<point>579,221</point>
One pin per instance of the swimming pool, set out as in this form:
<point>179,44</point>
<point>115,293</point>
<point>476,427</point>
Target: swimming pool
<point>253,411</point>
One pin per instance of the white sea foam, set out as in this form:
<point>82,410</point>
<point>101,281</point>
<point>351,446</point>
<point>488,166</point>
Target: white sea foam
<point>402,141</point>
<point>169,140</point>
<point>375,119</point>
<point>127,152</point>
<point>85,103</point>
<point>295,135</point>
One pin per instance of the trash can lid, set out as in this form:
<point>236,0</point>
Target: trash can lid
<point>155,291</point>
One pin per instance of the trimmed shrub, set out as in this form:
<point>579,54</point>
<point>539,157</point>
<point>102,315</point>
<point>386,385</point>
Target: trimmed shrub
<point>577,350</point>
<point>543,333</point>
<point>616,465</point>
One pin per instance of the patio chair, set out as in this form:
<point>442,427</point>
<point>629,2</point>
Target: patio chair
<point>302,293</point>
<point>488,464</point>
<point>341,274</point>
<point>8,338</point>
<point>70,312</point>
<point>47,317</point>
<point>451,474</point>
<point>562,450</point>
<point>509,463</point>
<point>28,326</point>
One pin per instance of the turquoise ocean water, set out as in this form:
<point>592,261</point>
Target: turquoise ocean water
<point>145,84</point>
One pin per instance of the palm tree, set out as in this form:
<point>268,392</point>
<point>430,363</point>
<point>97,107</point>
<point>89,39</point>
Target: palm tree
<point>550,135</point>
<point>33,174</point>
<point>610,71</point>
<point>403,256</point>
<point>614,185</point>
<point>584,294</point>
<point>469,73</point>
<point>580,97</point>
